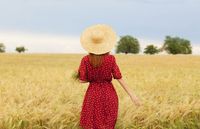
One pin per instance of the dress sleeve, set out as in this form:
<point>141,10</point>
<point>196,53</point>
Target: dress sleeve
<point>115,70</point>
<point>82,70</point>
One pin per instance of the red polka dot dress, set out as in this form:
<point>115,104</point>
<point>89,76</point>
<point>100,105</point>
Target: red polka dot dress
<point>100,104</point>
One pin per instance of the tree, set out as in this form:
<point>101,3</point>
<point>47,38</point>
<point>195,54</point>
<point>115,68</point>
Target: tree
<point>20,49</point>
<point>2,48</point>
<point>128,44</point>
<point>176,45</point>
<point>151,49</point>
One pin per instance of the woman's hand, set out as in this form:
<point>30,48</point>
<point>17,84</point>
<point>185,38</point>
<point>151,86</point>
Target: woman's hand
<point>135,100</point>
<point>81,81</point>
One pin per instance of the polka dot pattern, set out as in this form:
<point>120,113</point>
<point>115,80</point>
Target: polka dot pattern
<point>100,104</point>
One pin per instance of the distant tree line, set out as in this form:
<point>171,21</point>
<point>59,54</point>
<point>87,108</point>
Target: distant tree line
<point>2,48</point>
<point>19,49</point>
<point>128,44</point>
<point>172,45</point>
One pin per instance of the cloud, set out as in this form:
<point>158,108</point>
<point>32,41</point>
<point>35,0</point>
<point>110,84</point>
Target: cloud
<point>196,49</point>
<point>70,17</point>
<point>41,43</point>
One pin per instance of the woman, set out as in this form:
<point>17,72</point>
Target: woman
<point>100,104</point>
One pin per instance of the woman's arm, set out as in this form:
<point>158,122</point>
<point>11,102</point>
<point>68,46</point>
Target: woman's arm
<point>129,92</point>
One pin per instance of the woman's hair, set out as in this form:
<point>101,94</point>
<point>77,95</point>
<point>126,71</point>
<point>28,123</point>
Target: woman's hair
<point>96,60</point>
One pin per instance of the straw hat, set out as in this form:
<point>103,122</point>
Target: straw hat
<point>98,39</point>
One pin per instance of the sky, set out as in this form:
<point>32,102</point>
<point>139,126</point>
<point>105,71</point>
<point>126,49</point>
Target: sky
<point>55,26</point>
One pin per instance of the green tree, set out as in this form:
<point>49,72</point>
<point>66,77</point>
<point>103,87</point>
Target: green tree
<point>128,44</point>
<point>20,49</point>
<point>2,48</point>
<point>176,45</point>
<point>151,49</point>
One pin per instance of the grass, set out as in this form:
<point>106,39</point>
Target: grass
<point>37,91</point>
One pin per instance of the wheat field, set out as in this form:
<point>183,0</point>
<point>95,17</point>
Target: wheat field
<point>37,91</point>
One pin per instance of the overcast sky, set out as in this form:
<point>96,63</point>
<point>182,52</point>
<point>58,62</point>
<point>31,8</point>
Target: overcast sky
<point>55,26</point>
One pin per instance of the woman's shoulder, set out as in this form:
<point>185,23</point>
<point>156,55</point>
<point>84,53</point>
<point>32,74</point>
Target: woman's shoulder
<point>84,58</point>
<point>111,56</point>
